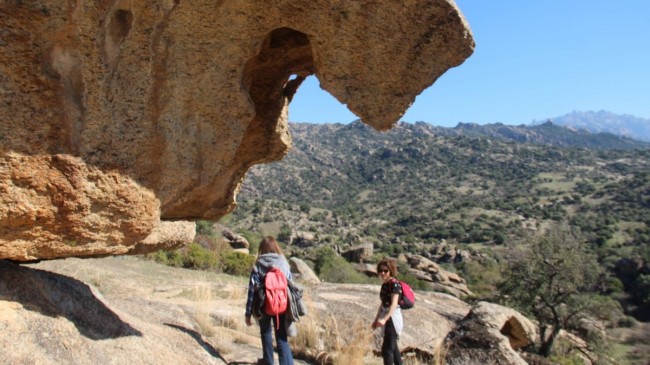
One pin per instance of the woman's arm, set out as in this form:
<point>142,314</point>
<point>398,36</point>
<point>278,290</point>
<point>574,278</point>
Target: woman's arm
<point>252,281</point>
<point>394,298</point>
<point>375,322</point>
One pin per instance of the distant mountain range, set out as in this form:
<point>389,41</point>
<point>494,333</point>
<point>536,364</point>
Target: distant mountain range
<point>594,130</point>
<point>547,133</point>
<point>605,122</point>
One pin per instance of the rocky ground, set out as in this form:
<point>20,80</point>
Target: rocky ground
<point>127,310</point>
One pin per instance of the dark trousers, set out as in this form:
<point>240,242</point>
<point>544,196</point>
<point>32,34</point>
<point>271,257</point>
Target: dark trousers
<point>284,352</point>
<point>389,349</point>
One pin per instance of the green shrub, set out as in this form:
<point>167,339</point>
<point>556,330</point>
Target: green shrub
<point>169,258</point>
<point>568,359</point>
<point>253,239</point>
<point>285,234</point>
<point>197,257</point>
<point>324,256</point>
<point>159,256</point>
<point>482,278</point>
<point>334,269</point>
<point>205,227</point>
<point>237,263</point>
<point>413,282</point>
<point>342,272</point>
<point>626,322</point>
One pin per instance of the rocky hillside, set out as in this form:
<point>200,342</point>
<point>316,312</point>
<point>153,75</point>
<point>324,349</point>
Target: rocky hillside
<point>550,133</point>
<point>412,185</point>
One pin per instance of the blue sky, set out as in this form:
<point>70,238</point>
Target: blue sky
<point>534,59</point>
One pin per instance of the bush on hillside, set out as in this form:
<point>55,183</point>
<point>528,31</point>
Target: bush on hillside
<point>198,257</point>
<point>333,268</point>
<point>205,227</point>
<point>253,239</point>
<point>482,278</point>
<point>169,258</point>
<point>194,256</point>
<point>237,263</point>
<point>285,234</point>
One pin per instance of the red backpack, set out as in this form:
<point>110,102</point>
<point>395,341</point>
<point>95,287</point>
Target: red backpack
<point>275,293</point>
<point>407,299</point>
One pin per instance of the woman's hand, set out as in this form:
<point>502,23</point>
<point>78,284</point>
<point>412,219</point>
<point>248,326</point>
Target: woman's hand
<point>378,323</point>
<point>249,322</point>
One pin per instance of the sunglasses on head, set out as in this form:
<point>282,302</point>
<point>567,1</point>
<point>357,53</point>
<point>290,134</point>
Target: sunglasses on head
<point>384,271</point>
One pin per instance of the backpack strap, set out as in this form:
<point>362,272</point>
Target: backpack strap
<point>401,295</point>
<point>394,280</point>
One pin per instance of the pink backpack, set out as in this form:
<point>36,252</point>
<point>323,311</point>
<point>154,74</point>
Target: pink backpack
<point>276,295</point>
<point>407,300</point>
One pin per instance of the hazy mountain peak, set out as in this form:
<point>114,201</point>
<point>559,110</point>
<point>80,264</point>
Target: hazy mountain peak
<point>603,121</point>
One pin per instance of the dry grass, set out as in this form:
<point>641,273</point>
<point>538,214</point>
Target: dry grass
<point>440,354</point>
<point>202,294</point>
<point>327,340</point>
<point>224,330</point>
<point>238,293</point>
<point>224,343</point>
<point>230,322</point>
<point>308,338</point>
<point>355,350</point>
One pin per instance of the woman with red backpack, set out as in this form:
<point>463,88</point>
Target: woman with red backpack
<point>389,314</point>
<point>269,261</point>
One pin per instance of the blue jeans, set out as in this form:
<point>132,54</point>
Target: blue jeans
<point>284,352</point>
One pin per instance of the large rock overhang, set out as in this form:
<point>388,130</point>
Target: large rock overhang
<point>119,115</point>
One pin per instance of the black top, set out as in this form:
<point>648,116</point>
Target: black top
<point>388,288</point>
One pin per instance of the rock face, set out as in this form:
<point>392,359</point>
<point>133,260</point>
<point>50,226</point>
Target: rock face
<point>58,205</point>
<point>156,109</point>
<point>235,240</point>
<point>359,253</point>
<point>303,239</point>
<point>440,279</point>
<point>490,334</point>
<point>303,272</point>
<point>55,206</point>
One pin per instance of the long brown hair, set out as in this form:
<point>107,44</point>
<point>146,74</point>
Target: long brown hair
<point>268,245</point>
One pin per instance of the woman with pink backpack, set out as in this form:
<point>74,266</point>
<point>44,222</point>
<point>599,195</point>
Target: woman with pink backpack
<point>271,269</point>
<point>389,314</point>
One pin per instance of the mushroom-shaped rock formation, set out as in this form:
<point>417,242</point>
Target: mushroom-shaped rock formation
<point>117,114</point>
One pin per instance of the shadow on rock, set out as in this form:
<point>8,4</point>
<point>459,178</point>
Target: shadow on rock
<point>56,295</point>
<point>198,338</point>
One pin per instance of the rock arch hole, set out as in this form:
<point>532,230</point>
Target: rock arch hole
<point>272,77</point>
